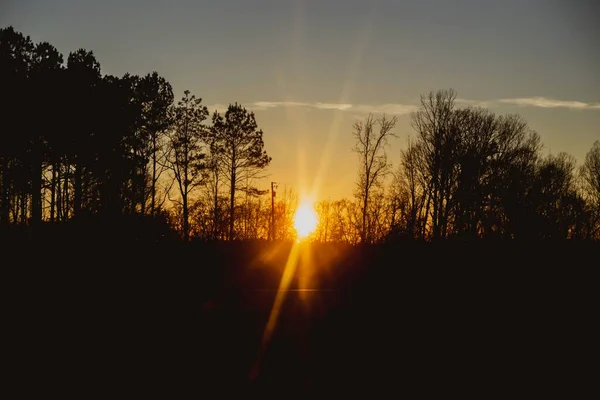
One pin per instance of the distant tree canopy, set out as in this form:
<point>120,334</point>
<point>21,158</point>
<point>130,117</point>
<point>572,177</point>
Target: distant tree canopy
<point>77,144</point>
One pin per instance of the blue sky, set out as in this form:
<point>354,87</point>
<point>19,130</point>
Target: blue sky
<point>309,69</point>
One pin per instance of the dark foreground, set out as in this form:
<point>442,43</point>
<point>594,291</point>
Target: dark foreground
<point>132,319</point>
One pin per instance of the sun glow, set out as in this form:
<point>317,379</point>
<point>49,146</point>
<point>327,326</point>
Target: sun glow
<point>305,220</point>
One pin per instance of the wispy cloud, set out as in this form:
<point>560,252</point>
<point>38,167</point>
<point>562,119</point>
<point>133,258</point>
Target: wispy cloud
<point>537,101</point>
<point>265,105</point>
<point>406,108</point>
<point>391,108</point>
<point>332,106</point>
<point>544,102</point>
<point>475,103</point>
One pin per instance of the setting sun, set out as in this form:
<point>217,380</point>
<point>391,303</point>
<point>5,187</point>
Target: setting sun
<point>305,220</point>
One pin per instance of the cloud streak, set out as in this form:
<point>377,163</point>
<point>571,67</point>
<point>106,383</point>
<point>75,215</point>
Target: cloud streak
<point>475,103</point>
<point>544,102</point>
<point>406,108</point>
<point>391,108</point>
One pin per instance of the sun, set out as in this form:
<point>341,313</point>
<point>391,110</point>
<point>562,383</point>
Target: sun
<point>305,220</point>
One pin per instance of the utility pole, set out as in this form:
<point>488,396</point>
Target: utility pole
<point>273,187</point>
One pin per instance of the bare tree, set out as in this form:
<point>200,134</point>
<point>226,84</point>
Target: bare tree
<point>512,171</point>
<point>433,124</point>
<point>378,216</point>
<point>251,213</point>
<point>590,179</point>
<point>323,231</point>
<point>344,222</point>
<point>371,146</point>
<point>285,208</point>
<point>554,191</point>
<point>468,172</point>
<point>409,191</point>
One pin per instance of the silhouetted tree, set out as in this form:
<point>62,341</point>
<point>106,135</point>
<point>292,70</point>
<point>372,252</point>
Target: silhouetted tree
<point>555,195</point>
<point>323,230</point>
<point>187,153</point>
<point>370,144</point>
<point>343,219</point>
<point>219,210</point>
<point>379,215</point>
<point>240,148</point>
<point>46,70</point>
<point>344,223</point>
<point>468,172</point>
<point>83,74</point>
<point>434,124</point>
<point>155,97</point>
<point>16,53</point>
<point>590,179</point>
<point>113,144</point>
<point>286,204</point>
<point>46,81</point>
<point>253,215</point>
<point>473,148</point>
<point>512,171</point>
<point>205,225</point>
<point>408,193</point>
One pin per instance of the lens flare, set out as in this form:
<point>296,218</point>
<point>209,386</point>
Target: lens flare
<point>305,220</point>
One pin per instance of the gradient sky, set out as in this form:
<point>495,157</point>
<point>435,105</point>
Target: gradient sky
<point>310,68</point>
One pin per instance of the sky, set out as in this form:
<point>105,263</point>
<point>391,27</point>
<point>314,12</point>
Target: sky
<point>309,69</point>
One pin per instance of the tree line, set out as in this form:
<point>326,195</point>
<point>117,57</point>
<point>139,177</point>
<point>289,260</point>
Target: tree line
<point>77,144</point>
<point>469,173</point>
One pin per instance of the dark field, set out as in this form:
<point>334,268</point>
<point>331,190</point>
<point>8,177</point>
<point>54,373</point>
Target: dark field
<point>125,320</point>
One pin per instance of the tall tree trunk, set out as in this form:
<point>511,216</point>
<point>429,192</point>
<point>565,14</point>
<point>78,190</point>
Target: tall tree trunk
<point>394,210</point>
<point>231,201</point>
<point>426,216</point>
<point>16,205</point>
<point>363,232</point>
<point>78,195</point>
<point>106,200</point>
<point>246,213</point>
<point>186,226</point>
<point>153,185</point>
<point>143,192</point>
<point>59,192</point>
<point>412,224</point>
<point>436,210</point>
<point>141,182</point>
<point>36,188</point>
<point>53,193</point>
<point>4,197</point>
<point>216,222</point>
<point>23,207</point>
<point>66,194</point>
